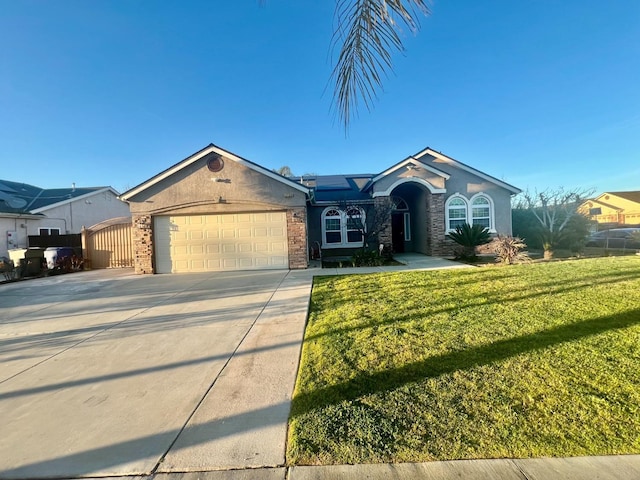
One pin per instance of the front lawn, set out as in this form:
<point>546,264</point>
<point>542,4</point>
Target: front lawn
<point>522,361</point>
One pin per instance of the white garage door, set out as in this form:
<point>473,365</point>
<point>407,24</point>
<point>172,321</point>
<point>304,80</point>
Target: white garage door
<point>205,243</point>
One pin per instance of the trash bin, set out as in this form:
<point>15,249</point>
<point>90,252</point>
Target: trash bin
<point>16,254</point>
<point>54,254</point>
<point>31,264</point>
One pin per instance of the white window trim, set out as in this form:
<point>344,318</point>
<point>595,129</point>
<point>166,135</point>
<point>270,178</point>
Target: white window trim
<point>469,210</point>
<point>407,227</point>
<point>343,229</point>
<point>446,210</point>
<point>492,214</point>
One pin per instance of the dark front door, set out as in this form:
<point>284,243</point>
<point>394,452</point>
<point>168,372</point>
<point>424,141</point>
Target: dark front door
<point>397,232</point>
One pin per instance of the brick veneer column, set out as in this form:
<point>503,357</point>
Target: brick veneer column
<point>142,235</point>
<point>437,244</point>
<point>297,236</point>
<point>384,232</point>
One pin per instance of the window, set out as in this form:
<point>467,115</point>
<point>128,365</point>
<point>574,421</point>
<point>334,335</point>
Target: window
<point>407,227</point>
<point>354,225</point>
<point>399,204</point>
<point>481,212</point>
<point>342,228</point>
<point>477,211</point>
<point>45,232</point>
<point>456,212</point>
<point>332,227</point>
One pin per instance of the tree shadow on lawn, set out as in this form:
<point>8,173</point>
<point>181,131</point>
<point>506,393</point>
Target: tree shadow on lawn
<point>387,380</point>
<point>474,300</point>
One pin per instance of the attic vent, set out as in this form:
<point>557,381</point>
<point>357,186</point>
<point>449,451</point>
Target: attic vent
<point>215,163</point>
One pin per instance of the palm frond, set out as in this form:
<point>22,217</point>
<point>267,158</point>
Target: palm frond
<point>367,33</point>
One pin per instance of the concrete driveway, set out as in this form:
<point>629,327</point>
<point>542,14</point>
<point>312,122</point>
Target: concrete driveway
<point>107,373</point>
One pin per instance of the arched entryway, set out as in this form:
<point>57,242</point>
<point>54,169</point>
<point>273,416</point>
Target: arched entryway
<point>410,219</point>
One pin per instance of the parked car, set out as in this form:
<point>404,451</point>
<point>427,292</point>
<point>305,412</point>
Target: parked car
<point>615,238</point>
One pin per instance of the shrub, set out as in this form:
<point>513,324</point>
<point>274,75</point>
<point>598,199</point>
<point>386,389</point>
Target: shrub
<point>508,250</point>
<point>367,258</point>
<point>469,237</point>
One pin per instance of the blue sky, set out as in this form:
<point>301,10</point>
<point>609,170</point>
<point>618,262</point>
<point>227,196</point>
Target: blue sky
<point>539,93</point>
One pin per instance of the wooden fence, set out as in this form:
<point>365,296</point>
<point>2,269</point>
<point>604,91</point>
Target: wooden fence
<point>108,244</point>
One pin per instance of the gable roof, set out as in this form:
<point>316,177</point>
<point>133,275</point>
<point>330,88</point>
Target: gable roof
<point>451,161</point>
<point>22,198</point>
<point>633,196</point>
<point>410,160</point>
<point>197,156</point>
<point>604,204</point>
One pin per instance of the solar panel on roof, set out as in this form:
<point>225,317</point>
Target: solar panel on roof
<point>332,182</point>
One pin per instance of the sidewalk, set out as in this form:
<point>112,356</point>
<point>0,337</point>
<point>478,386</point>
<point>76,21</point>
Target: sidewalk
<point>409,261</point>
<point>617,467</point>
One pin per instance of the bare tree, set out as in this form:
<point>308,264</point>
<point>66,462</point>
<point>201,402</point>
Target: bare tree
<point>369,219</point>
<point>554,209</point>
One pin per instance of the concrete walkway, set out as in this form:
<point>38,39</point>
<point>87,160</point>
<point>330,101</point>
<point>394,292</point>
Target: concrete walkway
<point>172,377</point>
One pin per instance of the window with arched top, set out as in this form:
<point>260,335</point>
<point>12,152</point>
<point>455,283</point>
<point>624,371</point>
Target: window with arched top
<point>355,225</point>
<point>475,211</point>
<point>343,228</point>
<point>481,211</point>
<point>399,204</point>
<point>332,227</point>
<point>456,212</point>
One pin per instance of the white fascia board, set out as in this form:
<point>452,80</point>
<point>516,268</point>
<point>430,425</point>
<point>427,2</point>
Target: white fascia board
<point>401,181</point>
<point>604,204</point>
<point>462,166</point>
<point>338,202</point>
<point>27,216</point>
<point>197,156</point>
<point>71,200</point>
<point>404,163</point>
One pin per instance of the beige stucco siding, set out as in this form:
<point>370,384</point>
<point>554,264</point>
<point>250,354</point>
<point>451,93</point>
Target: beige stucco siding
<point>237,191</point>
<point>195,189</point>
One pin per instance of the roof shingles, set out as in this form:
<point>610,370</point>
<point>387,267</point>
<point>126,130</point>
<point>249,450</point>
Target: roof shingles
<point>22,198</point>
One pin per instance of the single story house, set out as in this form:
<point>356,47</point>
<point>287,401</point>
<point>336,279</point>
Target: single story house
<point>613,209</point>
<point>215,210</point>
<point>29,210</point>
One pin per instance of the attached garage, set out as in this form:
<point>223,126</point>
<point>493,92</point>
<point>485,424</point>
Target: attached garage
<point>205,243</point>
<point>217,211</point>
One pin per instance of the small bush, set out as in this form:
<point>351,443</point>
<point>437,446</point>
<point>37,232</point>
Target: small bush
<point>469,237</point>
<point>367,258</point>
<point>509,250</point>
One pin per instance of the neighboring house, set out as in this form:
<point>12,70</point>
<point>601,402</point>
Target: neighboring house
<point>29,210</point>
<point>613,209</point>
<point>215,211</point>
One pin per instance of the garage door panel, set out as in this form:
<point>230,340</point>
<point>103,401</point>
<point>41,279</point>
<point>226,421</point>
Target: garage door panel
<point>221,242</point>
<point>279,248</point>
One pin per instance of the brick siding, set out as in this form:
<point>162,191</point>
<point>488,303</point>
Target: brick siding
<point>297,237</point>
<point>384,235</point>
<point>437,243</point>
<point>142,236</point>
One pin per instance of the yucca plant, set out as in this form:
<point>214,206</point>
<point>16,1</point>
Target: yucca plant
<point>469,237</point>
<point>509,250</point>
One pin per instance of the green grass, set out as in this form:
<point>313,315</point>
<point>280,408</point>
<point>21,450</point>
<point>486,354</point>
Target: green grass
<point>521,361</point>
